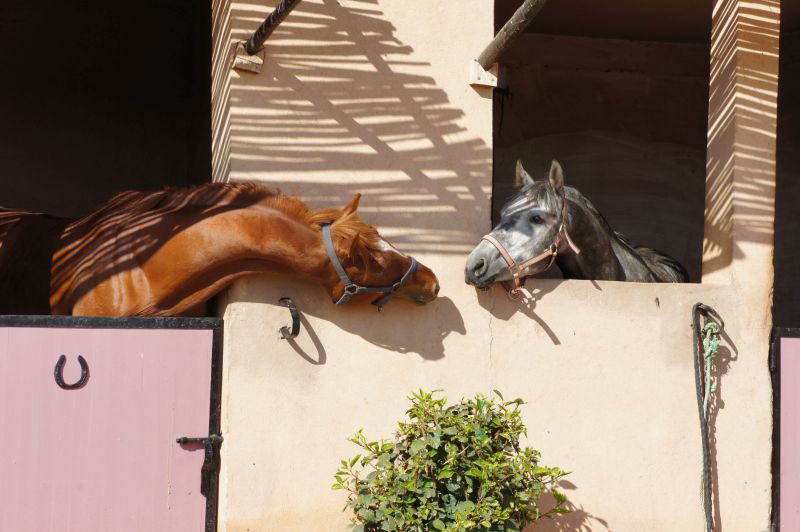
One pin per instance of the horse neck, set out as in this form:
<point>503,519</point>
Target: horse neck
<point>189,256</point>
<point>593,236</point>
<point>279,243</point>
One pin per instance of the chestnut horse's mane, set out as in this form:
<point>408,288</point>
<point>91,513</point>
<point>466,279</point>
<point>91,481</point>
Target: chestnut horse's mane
<point>135,205</point>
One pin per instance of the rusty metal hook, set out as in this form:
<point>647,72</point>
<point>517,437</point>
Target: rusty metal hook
<point>59,373</point>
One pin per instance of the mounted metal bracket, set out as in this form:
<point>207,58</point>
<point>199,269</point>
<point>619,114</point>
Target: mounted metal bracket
<point>285,332</point>
<point>250,54</point>
<point>211,445</point>
<point>483,78</point>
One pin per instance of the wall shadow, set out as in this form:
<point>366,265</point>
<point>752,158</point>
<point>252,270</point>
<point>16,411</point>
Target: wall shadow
<point>740,189</point>
<point>578,520</point>
<point>339,93</point>
<point>321,356</point>
<point>430,324</point>
<point>221,61</point>
<point>531,294</point>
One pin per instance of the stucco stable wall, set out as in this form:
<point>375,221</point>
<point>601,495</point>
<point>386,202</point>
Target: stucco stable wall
<point>372,97</point>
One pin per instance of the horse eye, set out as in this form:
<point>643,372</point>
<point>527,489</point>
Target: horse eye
<point>536,219</point>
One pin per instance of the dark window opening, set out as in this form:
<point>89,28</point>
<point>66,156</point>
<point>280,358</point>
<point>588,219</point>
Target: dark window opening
<point>617,92</point>
<point>100,97</point>
<point>786,296</point>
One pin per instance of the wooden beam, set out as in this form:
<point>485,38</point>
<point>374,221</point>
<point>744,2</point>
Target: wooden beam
<point>516,24</point>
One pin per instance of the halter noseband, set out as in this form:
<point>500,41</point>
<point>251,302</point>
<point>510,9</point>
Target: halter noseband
<point>350,288</point>
<point>551,251</point>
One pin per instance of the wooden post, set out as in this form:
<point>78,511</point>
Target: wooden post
<point>256,42</point>
<point>517,23</point>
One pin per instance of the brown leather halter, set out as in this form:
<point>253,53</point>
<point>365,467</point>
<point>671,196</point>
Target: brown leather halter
<point>551,251</point>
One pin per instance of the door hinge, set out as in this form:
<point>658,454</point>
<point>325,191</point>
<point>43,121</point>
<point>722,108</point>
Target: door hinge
<point>211,445</point>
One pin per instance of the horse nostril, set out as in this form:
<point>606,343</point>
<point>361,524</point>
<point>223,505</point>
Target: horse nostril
<point>479,268</point>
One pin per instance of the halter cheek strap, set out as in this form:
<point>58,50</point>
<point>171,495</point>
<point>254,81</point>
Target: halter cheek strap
<point>350,288</point>
<point>552,252</point>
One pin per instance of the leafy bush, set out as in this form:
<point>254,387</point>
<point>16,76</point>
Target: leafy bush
<point>450,468</point>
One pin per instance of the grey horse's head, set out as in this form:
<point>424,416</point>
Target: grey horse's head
<point>529,224</point>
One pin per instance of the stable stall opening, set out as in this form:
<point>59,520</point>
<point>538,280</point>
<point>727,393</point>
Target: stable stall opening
<point>100,97</point>
<point>786,296</point>
<point>617,92</point>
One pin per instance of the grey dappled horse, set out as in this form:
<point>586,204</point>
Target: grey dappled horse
<point>548,222</point>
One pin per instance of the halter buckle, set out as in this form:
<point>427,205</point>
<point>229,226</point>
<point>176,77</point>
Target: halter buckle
<point>351,289</point>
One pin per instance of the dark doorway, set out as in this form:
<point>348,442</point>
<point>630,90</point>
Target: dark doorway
<point>99,97</point>
<point>786,302</point>
<point>617,91</point>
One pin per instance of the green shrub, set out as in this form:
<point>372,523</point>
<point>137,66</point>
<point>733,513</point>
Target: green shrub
<point>450,468</point>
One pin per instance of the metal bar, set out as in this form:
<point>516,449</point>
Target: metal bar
<point>515,25</point>
<point>256,41</point>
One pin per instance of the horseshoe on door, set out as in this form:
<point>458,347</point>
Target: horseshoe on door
<point>59,373</point>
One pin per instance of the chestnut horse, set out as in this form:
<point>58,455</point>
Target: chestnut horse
<point>167,253</point>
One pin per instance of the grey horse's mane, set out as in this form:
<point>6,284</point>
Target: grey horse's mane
<point>543,194</point>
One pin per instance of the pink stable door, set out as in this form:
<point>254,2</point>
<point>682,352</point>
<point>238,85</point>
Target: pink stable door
<point>103,457</point>
<point>789,349</point>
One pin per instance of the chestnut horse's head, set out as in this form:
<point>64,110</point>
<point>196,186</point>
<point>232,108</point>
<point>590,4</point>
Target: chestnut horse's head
<point>375,269</point>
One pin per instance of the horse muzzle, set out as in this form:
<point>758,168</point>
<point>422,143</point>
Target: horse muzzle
<point>480,270</point>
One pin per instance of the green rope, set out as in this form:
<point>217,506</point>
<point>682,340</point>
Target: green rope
<point>711,336</point>
<point>706,338</point>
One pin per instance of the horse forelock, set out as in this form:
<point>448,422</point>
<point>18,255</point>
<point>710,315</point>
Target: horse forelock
<point>364,237</point>
<point>539,194</point>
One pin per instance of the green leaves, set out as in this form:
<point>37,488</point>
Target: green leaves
<point>417,446</point>
<point>449,468</point>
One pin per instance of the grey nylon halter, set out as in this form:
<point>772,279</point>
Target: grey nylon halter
<point>350,288</point>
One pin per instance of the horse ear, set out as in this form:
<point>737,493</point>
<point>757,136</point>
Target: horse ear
<point>351,207</point>
<point>556,175</point>
<point>523,178</point>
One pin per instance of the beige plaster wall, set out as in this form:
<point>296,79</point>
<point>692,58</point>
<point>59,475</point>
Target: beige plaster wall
<point>371,96</point>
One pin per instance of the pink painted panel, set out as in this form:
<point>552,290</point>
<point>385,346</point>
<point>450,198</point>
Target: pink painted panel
<point>104,457</point>
<point>790,434</point>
